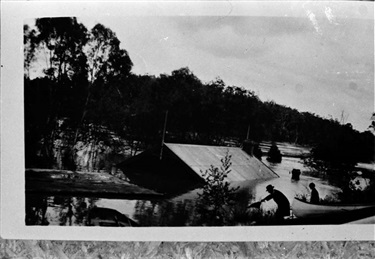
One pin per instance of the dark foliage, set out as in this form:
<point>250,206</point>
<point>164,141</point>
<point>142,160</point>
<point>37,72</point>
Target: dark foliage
<point>274,154</point>
<point>216,202</point>
<point>88,81</point>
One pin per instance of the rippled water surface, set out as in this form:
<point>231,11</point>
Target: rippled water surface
<point>177,211</point>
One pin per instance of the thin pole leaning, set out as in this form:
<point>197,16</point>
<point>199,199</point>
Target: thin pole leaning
<point>248,132</point>
<point>162,140</point>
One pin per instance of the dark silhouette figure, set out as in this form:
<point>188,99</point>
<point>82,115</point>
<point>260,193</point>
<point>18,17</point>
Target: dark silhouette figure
<point>70,214</point>
<point>258,152</point>
<point>274,154</point>
<point>314,194</point>
<point>283,206</point>
<point>295,174</point>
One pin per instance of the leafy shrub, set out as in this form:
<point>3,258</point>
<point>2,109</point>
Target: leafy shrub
<point>329,199</point>
<point>302,196</point>
<point>216,201</point>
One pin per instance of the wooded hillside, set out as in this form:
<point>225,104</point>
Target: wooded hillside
<point>88,93</point>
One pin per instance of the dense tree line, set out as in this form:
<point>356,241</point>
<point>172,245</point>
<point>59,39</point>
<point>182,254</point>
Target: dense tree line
<point>88,86</point>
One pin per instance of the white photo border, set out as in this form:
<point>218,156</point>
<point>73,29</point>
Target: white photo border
<point>14,13</point>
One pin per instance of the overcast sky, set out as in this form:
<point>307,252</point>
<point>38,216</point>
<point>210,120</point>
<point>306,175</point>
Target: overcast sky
<point>317,58</point>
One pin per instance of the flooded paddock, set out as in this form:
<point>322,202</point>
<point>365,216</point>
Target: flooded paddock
<point>175,211</point>
<point>181,209</point>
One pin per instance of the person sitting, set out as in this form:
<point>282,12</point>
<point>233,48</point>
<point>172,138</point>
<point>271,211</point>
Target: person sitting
<point>314,194</point>
<point>283,205</point>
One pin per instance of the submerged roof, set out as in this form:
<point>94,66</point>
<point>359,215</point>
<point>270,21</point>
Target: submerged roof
<point>244,167</point>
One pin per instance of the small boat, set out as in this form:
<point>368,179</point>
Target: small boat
<point>303,209</point>
<point>106,217</point>
<point>368,220</point>
<point>255,205</point>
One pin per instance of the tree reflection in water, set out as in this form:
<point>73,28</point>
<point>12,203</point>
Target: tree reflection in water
<point>36,210</point>
<point>165,213</point>
<point>73,211</point>
<point>69,210</point>
<point>187,213</point>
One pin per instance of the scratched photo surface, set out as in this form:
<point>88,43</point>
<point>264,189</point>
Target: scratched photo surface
<point>197,115</point>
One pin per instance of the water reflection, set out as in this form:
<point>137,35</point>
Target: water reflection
<point>165,213</point>
<point>57,210</point>
<point>177,211</point>
<point>36,209</point>
<point>292,187</point>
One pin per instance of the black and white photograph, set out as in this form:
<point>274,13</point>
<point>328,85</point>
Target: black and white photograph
<point>245,115</point>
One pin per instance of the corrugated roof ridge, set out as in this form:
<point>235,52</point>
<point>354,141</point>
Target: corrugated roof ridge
<point>198,145</point>
<point>253,161</point>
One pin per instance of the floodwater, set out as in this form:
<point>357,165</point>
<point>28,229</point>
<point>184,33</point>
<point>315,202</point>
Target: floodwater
<point>177,211</point>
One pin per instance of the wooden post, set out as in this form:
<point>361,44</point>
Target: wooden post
<point>164,129</point>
